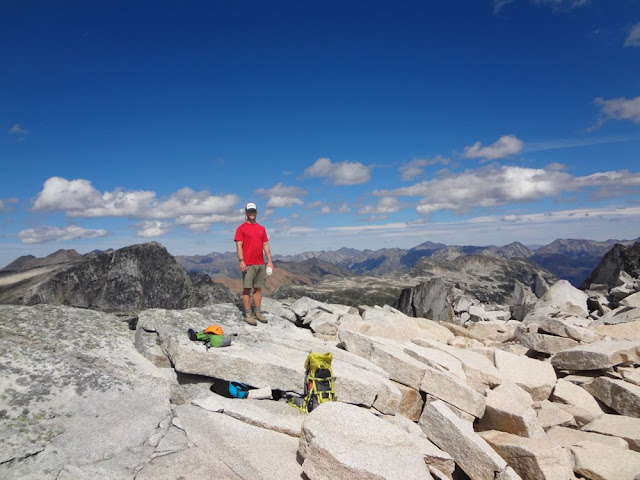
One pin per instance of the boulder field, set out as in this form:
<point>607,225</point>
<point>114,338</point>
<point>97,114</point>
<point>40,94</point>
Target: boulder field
<point>553,394</point>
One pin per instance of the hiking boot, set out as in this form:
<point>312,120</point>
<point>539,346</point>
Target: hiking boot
<point>260,316</point>
<point>250,318</point>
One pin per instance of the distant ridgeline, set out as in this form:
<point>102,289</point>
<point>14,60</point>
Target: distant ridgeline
<point>572,260</point>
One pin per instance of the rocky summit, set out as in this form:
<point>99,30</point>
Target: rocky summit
<point>547,387</point>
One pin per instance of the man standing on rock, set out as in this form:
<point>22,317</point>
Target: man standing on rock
<point>251,241</point>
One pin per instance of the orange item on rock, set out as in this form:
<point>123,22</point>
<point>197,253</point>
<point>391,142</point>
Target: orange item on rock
<point>213,329</point>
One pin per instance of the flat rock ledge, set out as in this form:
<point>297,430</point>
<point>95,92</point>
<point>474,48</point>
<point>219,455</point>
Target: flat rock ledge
<point>92,395</point>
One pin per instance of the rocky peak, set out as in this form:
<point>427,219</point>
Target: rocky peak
<point>619,259</point>
<point>131,278</point>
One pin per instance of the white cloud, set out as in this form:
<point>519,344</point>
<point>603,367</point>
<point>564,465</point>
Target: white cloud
<point>202,223</point>
<point>385,206</point>
<point>153,228</point>
<point>78,198</point>
<point>340,173</point>
<point>282,195</point>
<point>329,208</point>
<point>505,146</point>
<point>618,109</point>
<point>496,185</point>
<point>633,39</point>
<point>189,202</point>
<point>416,167</point>
<point>58,234</point>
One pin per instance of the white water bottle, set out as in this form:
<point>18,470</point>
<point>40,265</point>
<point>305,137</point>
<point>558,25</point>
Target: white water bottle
<point>269,270</point>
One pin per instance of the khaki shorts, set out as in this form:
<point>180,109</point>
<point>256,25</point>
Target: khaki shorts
<point>254,277</point>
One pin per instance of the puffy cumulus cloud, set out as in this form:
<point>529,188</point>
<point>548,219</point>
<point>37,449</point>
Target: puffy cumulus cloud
<point>340,173</point>
<point>496,185</point>
<point>282,195</point>
<point>61,194</point>
<point>189,202</point>
<point>416,167</point>
<point>79,198</point>
<point>58,234</point>
<point>633,38</point>
<point>153,228</point>
<point>618,109</point>
<point>385,206</point>
<point>506,145</point>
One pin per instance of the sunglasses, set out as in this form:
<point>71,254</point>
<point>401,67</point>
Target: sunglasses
<point>252,211</point>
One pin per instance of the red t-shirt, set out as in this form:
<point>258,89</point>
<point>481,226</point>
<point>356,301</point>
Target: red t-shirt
<point>253,236</point>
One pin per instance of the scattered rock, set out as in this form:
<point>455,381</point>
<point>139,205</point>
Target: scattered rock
<point>622,396</point>
<point>598,355</point>
<point>509,409</point>
<point>532,458</point>
<point>627,428</point>
<point>344,442</point>
<point>474,456</point>
<point>595,460</point>
<point>537,378</point>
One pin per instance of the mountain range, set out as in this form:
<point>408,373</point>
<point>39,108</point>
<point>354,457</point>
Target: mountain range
<point>349,275</point>
<point>569,259</point>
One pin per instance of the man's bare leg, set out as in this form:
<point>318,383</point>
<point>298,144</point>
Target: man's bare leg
<point>257,302</point>
<point>246,299</point>
<point>257,297</point>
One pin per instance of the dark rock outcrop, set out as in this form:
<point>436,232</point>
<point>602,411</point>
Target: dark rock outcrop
<point>427,300</point>
<point>132,278</point>
<point>488,278</point>
<point>619,259</point>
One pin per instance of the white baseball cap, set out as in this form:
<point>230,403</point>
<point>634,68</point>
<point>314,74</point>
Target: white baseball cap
<point>251,206</point>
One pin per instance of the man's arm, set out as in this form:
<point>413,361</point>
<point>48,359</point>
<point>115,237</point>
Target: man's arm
<point>267,251</point>
<point>243,266</point>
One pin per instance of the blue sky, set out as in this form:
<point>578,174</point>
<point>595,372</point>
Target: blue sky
<point>364,124</point>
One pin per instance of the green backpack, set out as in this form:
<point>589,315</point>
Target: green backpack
<point>210,339</point>
<point>319,383</point>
